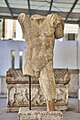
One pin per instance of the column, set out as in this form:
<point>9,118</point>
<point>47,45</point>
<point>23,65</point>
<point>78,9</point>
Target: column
<point>18,31</point>
<point>3,31</point>
<point>78,35</point>
<point>9,29</point>
<point>78,55</point>
<point>16,59</point>
<point>79,94</point>
<point>0,85</point>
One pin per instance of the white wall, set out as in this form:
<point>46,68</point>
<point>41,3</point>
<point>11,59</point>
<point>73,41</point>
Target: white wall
<point>78,54</point>
<point>5,59</point>
<point>65,54</point>
<point>0,85</point>
<point>5,54</point>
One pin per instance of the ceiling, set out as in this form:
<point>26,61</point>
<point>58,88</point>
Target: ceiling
<point>68,9</point>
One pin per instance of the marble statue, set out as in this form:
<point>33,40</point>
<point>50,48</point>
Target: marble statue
<point>40,33</point>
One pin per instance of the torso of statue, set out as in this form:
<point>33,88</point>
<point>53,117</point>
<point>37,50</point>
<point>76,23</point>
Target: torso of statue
<point>39,50</point>
<point>39,33</point>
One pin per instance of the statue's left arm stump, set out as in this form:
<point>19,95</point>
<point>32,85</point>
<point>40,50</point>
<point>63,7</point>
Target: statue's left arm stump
<point>25,114</point>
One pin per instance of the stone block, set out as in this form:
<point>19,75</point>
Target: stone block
<point>25,114</point>
<point>18,96</point>
<point>73,84</point>
<point>18,90</point>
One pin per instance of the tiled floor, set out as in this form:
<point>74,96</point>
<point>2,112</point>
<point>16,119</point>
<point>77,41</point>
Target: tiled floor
<point>71,114</point>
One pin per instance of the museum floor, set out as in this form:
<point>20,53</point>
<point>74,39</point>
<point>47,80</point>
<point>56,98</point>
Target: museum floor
<point>70,114</point>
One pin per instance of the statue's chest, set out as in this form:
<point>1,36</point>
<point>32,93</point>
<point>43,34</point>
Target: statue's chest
<point>41,34</point>
<point>41,29</point>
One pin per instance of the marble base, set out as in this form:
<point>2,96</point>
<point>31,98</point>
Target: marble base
<point>18,96</point>
<point>16,108</point>
<point>18,90</point>
<point>25,114</point>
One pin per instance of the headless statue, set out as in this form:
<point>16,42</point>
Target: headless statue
<point>40,33</point>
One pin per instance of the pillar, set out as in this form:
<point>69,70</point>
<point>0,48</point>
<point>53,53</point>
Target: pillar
<point>78,62</point>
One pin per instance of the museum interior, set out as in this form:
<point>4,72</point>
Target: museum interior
<point>39,39</point>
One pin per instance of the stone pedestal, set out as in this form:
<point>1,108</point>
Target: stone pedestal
<point>25,114</point>
<point>73,84</point>
<point>18,90</point>
<point>3,86</point>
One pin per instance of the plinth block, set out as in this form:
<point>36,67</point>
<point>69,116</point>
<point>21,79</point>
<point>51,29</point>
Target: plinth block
<point>25,114</point>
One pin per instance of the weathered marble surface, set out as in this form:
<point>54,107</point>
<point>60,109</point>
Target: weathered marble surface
<point>73,84</point>
<point>39,33</point>
<point>25,114</point>
<point>18,95</point>
<point>18,90</point>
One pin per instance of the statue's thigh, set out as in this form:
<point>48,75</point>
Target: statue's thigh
<point>47,83</point>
